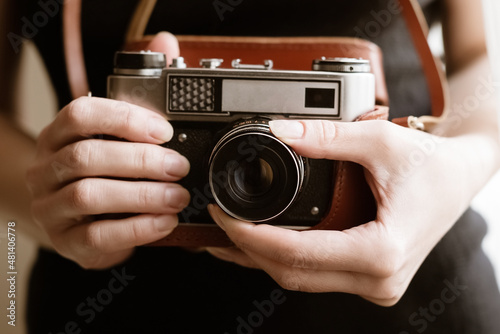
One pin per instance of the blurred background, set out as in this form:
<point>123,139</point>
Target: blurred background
<point>37,108</point>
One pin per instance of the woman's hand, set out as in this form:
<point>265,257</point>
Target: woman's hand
<point>421,186</point>
<point>77,175</point>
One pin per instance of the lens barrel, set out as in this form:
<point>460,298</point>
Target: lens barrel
<point>253,175</point>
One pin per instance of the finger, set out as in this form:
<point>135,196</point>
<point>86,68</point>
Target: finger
<point>307,280</point>
<point>166,43</point>
<point>356,250</point>
<point>394,289</point>
<point>356,142</point>
<point>116,237</point>
<point>90,116</point>
<point>233,255</point>
<point>100,196</point>
<point>382,302</point>
<point>91,158</point>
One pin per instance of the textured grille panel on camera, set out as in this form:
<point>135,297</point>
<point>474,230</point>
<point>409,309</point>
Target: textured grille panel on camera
<point>192,94</point>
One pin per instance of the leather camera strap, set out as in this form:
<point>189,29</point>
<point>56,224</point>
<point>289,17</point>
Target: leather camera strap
<point>432,67</point>
<point>73,48</point>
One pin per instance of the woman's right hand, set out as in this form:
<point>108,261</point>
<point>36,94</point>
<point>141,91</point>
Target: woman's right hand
<point>78,175</point>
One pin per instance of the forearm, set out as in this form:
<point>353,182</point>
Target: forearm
<point>472,123</point>
<point>17,151</point>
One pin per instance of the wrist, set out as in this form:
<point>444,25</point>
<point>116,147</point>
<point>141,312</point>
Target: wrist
<point>479,158</point>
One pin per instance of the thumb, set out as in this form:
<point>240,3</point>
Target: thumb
<point>163,42</point>
<point>166,43</point>
<point>358,142</point>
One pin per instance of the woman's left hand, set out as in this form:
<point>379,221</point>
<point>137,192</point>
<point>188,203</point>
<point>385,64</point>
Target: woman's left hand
<point>421,183</point>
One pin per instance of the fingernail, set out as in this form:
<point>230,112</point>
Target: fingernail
<point>165,223</point>
<point>176,165</point>
<point>287,129</point>
<point>160,129</point>
<point>177,198</point>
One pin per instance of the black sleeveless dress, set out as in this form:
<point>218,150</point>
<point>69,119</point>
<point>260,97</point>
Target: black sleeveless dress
<point>169,290</point>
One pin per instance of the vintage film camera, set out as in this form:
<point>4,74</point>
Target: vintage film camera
<point>220,117</point>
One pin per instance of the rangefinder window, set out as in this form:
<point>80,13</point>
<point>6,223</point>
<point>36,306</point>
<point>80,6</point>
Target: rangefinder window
<point>320,98</point>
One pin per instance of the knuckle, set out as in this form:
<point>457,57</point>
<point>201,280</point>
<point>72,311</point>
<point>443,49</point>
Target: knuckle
<point>387,267</point>
<point>384,128</point>
<point>126,119</point>
<point>77,111</point>
<point>326,132</point>
<point>294,258</point>
<point>93,238</point>
<point>384,138</point>
<point>145,196</point>
<point>79,154</point>
<point>389,290</point>
<point>81,194</point>
<point>290,280</point>
<point>140,232</point>
<point>144,157</point>
<point>388,139</point>
<point>389,258</point>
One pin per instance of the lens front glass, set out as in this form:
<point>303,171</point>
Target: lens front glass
<point>254,176</point>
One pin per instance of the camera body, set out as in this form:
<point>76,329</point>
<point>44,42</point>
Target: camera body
<point>220,118</point>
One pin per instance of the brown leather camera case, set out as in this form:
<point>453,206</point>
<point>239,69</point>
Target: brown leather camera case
<point>352,203</point>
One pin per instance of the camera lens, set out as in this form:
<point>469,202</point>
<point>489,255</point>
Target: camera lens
<point>254,176</point>
<point>253,179</point>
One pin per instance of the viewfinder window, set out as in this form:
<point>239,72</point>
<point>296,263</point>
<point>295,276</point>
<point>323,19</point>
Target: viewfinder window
<point>320,98</point>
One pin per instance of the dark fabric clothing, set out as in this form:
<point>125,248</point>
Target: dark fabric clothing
<point>171,290</point>
<point>175,291</point>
